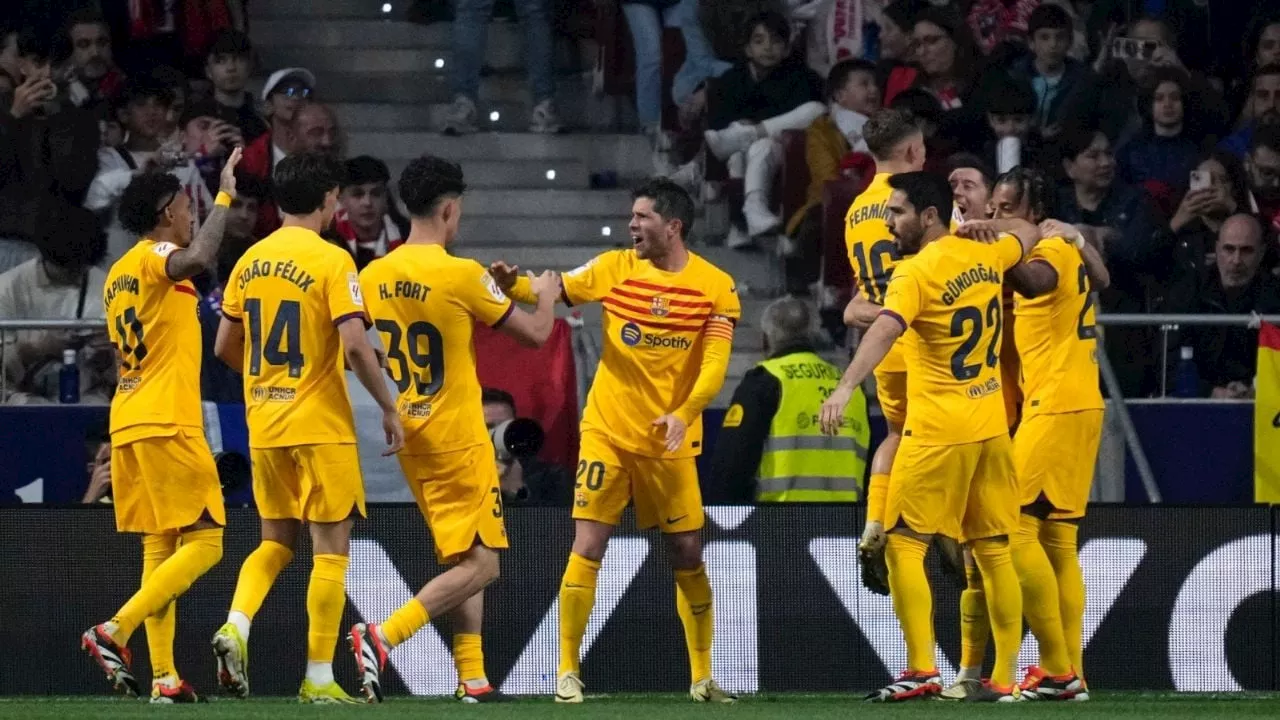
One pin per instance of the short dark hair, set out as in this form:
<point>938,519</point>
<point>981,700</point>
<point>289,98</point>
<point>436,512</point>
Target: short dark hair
<point>143,87</point>
<point>494,396</point>
<point>670,201</point>
<point>1076,140</point>
<point>252,186</point>
<point>301,181</point>
<point>775,22</point>
<point>35,44</point>
<point>921,103</point>
<point>924,190</point>
<point>428,180</point>
<point>88,15</point>
<point>886,129</point>
<point>1049,17</point>
<point>838,77</point>
<point>1011,96</point>
<point>229,42</point>
<point>365,169</point>
<point>1033,185</point>
<point>140,205</point>
<point>1266,136</point>
<point>963,160</point>
<point>69,235</point>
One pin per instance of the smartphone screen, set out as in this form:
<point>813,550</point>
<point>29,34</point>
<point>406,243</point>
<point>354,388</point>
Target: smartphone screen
<point>1200,180</point>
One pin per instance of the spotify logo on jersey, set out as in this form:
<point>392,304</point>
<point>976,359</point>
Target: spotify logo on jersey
<point>631,335</point>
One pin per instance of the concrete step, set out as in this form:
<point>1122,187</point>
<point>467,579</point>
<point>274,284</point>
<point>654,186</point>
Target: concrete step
<point>367,9</point>
<point>536,259</point>
<point>513,116</point>
<point>597,150</point>
<point>544,231</point>
<point>504,53</point>
<point>432,87</point>
<point>613,205</point>
<point>514,174</point>
<point>319,33</point>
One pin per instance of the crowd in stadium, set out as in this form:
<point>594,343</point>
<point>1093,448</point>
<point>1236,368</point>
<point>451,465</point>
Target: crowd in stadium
<point>1161,129</point>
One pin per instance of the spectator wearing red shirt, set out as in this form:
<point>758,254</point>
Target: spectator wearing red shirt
<point>995,21</point>
<point>284,92</point>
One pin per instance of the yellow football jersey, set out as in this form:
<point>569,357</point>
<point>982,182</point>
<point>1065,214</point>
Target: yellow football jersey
<point>1056,337</point>
<point>291,290</point>
<point>948,297</point>
<point>424,304</point>
<point>873,253</point>
<point>654,326</point>
<point>152,322</point>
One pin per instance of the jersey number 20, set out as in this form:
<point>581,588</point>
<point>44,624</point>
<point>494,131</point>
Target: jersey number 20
<point>410,361</point>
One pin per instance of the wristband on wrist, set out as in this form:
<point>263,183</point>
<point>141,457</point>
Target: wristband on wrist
<point>223,199</point>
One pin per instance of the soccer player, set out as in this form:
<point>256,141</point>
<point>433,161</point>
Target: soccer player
<point>297,298</point>
<point>424,303</point>
<point>1057,342</point>
<point>668,331</point>
<point>896,143</point>
<point>953,473</point>
<point>164,481</point>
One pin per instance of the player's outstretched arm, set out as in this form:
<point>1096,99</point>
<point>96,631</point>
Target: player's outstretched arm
<point>860,312</point>
<point>989,231</point>
<point>876,343</point>
<point>228,344</point>
<point>202,254</point>
<point>1090,245</point>
<point>363,361</point>
<point>520,287</point>
<point>533,329</point>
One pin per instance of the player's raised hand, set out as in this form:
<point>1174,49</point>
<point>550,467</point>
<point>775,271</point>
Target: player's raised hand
<point>227,183</point>
<point>546,283</point>
<point>394,431</point>
<point>833,410</point>
<point>675,431</point>
<point>505,274</point>
<point>1057,228</point>
<point>980,230</point>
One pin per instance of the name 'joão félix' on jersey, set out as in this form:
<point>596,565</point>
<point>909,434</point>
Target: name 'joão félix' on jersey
<point>968,278</point>
<point>284,269</point>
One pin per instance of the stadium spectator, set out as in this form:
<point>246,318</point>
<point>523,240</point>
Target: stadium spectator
<point>61,284</point>
<point>469,39</point>
<point>927,111</point>
<point>1263,163</point>
<point>946,65</point>
<point>1262,108</point>
<point>1261,48</point>
<point>1137,245</point>
<point>1225,357</point>
<point>99,489</point>
<point>750,105</point>
<point>48,146</point>
<point>314,129</point>
<point>971,179</point>
<point>10,73</point>
<point>852,95</point>
<point>284,93</point>
<point>207,139</point>
<point>1201,213</point>
<point>180,91</point>
<point>645,21</point>
<point>525,481</point>
<point>227,66</point>
<point>768,450</point>
<point>996,21</point>
<point>1169,145</point>
<point>367,222</point>
<point>1054,76</point>
<point>91,65</point>
<point>895,21</point>
<point>144,111</point>
<point>1011,137</point>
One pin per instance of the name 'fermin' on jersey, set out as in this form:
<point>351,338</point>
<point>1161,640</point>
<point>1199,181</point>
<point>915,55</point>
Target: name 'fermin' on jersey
<point>972,276</point>
<point>284,269</point>
<point>870,212</point>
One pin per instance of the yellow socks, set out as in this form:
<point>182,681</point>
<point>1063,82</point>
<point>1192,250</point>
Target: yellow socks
<point>974,628</point>
<point>326,597</point>
<point>1040,596</point>
<point>409,619</point>
<point>257,575</point>
<point>162,625</point>
<point>912,599</point>
<point>201,550</point>
<point>877,496</point>
<point>468,657</point>
<point>693,603</point>
<point>1060,540</point>
<point>577,597</point>
<point>1004,605</point>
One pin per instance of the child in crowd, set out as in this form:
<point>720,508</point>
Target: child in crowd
<point>1053,75</point>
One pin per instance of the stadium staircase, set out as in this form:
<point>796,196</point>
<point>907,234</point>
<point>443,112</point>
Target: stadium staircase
<point>531,200</point>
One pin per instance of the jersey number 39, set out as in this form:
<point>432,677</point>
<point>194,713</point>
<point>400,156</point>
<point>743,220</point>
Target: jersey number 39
<point>414,354</point>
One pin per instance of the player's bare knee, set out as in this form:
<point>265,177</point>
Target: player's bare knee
<point>282,532</point>
<point>331,538</point>
<point>685,550</point>
<point>590,539</point>
<point>482,563</point>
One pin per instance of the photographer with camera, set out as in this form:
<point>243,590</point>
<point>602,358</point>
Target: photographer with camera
<point>526,481</point>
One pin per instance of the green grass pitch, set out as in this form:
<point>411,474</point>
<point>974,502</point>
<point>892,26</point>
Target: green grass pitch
<point>1130,706</point>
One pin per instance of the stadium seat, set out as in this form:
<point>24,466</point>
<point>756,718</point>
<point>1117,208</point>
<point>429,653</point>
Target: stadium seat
<point>837,196</point>
<point>793,181</point>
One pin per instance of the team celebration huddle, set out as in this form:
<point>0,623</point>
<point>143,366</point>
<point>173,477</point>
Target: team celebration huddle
<point>978,328</point>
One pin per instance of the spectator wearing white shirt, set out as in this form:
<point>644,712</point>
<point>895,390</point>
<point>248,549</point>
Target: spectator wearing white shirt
<point>144,113</point>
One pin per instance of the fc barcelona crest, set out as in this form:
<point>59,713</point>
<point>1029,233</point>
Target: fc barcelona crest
<point>660,307</point>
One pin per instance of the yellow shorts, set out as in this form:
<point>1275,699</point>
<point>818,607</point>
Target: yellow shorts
<point>665,490</point>
<point>161,484</point>
<point>458,494</point>
<point>966,492</point>
<point>312,483</point>
<point>1055,454</point>
<point>891,393</point>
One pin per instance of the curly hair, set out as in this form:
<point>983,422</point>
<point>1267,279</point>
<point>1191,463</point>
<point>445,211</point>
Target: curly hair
<point>428,180</point>
<point>1035,187</point>
<point>144,199</point>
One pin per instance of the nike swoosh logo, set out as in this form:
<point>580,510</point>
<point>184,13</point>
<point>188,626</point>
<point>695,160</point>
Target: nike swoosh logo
<point>674,520</point>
